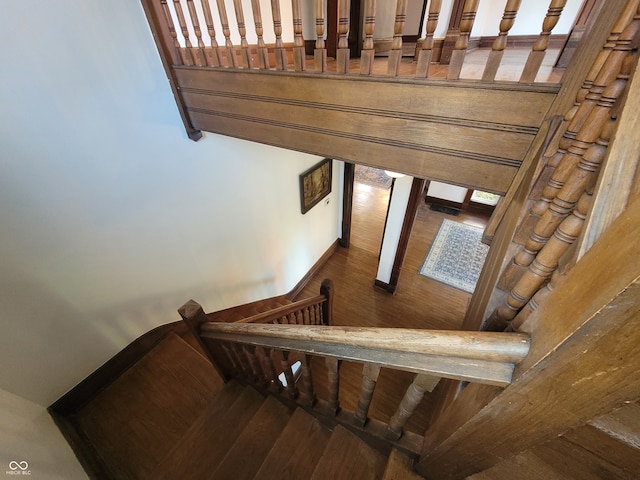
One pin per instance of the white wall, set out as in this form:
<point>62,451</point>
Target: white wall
<point>453,193</point>
<point>29,435</point>
<point>111,218</point>
<point>393,226</point>
<point>528,21</point>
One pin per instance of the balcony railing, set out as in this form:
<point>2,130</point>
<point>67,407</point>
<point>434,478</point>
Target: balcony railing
<point>252,75</point>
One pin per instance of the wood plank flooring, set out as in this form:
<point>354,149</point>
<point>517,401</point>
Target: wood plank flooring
<point>419,302</point>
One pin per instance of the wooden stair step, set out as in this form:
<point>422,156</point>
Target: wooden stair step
<point>211,436</point>
<point>347,457</point>
<point>399,467</point>
<point>604,445</point>
<point>135,421</point>
<point>297,451</point>
<point>246,455</point>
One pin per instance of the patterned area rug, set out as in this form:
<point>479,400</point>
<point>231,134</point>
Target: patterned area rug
<point>456,255</point>
<point>372,177</point>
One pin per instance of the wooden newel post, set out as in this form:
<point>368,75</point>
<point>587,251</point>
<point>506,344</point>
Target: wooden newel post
<point>194,316</point>
<point>326,289</point>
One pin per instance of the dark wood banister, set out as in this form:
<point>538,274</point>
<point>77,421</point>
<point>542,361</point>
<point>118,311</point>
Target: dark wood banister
<point>482,357</point>
<point>268,317</point>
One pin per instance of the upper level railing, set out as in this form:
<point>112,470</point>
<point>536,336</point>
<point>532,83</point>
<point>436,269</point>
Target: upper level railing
<point>201,34</point>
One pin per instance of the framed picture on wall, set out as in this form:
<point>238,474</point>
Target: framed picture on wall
<point>315,184</point>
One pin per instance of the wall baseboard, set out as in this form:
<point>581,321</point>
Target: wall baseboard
<point>385,286</point>
<point>295,291</point>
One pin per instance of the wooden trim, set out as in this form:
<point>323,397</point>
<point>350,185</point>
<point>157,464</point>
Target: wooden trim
<point>85,452</point>
<point>385,286</point>
<point>347,203</point>
<point>88,388</point>
<point>555,41</point>
<point>415,199</point>
<point>295,291</point>
<point>159,30</point>
<point>484,357</point>
<point>442,201</point>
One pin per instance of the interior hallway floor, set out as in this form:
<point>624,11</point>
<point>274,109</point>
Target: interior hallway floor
<point>419,302</point>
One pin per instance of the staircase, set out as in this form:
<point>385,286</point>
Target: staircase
<point>170,416</point>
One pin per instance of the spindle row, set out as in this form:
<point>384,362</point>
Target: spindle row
<point>196,47</point>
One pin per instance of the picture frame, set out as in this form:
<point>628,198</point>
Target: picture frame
<point>315,184</point>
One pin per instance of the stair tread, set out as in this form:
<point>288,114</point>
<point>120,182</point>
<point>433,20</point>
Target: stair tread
<point>135,421</point>
<point>623,424</point>
<point>297,450</point>
<point>347,457</point>
<point>246,455</point>
<point>528,466</point>
<point>573,461</point>
<point>209,438</point>
<point>399,467</point>
<point>602,444</point>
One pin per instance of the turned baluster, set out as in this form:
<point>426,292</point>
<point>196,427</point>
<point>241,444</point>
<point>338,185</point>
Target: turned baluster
<point>212,54</point>
<point>393,67</point>
<point>601,104</point>
<point>499,44</point>
<point>228,46</point>
<point>342,53</point>
<point>408,405</point>
<point>320,52</point>
<point>245,53</point>
<point>232,359</point>
<point>269,372</point>
<point>242,370</point>
<point>326,289</point>
<point>567,197</point>
<point>306,317</point>
<point>626,17</point>
<point>281,54</point>
<point>599,76</point>
<point>460,49</point>
<point>368,51</point>
<point>538,299</point>
<point>307,392</point>
<point>263,53</point>
<point>370,374</point>
<point>185,53</point>
<point>282,358</point>
<point>172,31</point>
<point>546,261</point>
<point>257,376</point>
<point>333,372</point>
<point>426,51</point>
<point>298,40</point>
<point>540,46</point>
<point>197,53</point>
<point>568,153</point>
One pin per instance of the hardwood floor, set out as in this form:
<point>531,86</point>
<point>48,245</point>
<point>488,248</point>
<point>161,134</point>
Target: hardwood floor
<point>511,66</point>
<point>419,302</point>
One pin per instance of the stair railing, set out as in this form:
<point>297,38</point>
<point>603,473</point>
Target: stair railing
<point>196,46</point>
<point>260,348</point>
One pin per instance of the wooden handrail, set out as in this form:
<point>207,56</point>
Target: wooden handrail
<point>267,317</point>
<point>484,357</point>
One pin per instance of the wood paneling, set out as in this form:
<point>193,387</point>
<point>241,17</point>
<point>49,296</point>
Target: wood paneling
<point>396,124</point>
